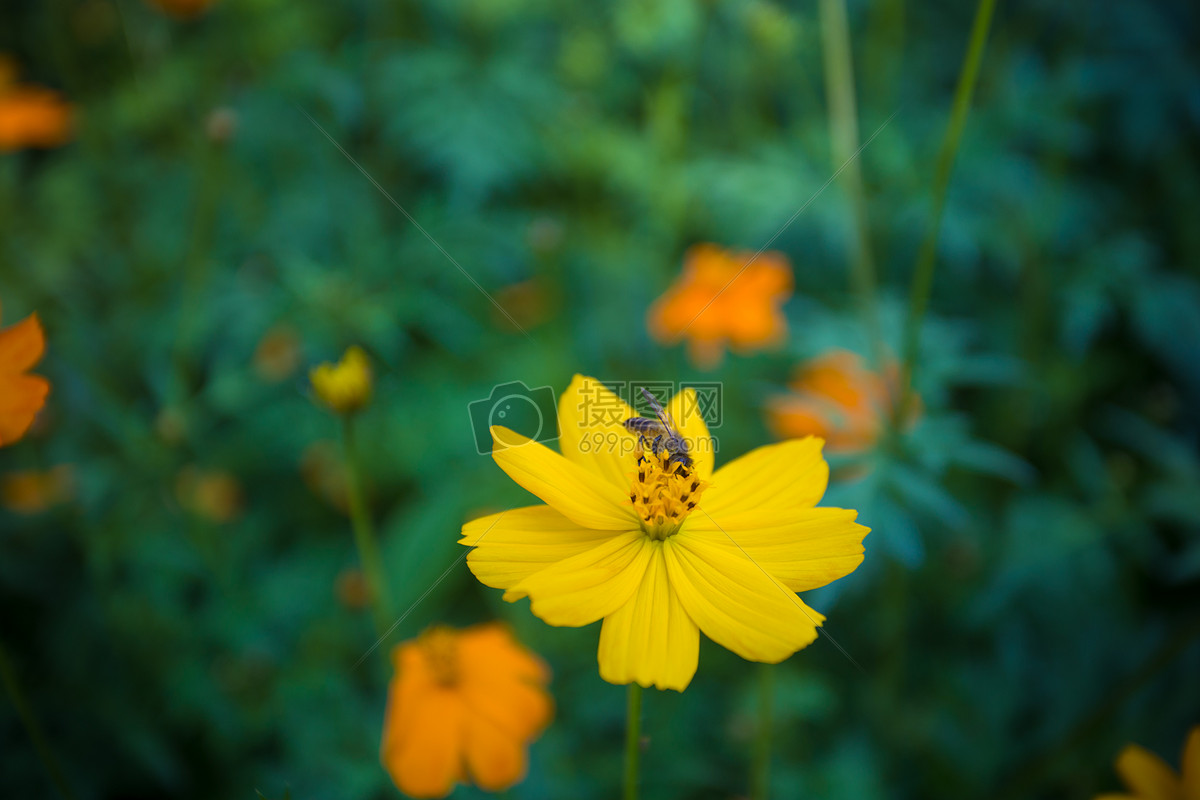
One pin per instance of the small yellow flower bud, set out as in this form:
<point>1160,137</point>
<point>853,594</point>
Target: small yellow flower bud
<point>344,387</point>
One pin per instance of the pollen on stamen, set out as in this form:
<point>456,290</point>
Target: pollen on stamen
<point>663,493</point>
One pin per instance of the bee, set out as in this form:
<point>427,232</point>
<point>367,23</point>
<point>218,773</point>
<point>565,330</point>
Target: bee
<point>661,435</point>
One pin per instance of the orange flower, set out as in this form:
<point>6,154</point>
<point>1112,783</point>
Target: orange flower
<point>1149,778</point>
<point>463,705</point>
<point>215,495</point>
<point>719,300</point>
<point>351,589</point>
<point>183,9</point>
<point>31,116</point>
<point>836,397</point>
<point>277,355</point>
<point>30,492</point>
<point>527,303</point>
<point>21,395</point>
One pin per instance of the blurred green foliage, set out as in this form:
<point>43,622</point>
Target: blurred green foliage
<point>1031,589</point>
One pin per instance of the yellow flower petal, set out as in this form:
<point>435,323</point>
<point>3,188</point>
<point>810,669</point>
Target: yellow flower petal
<point>589,586</point>
<point>591,430</point>
<point>650,640</point>
<point>736,604</point>
<point>803,548</point>
<point>684,409</point>
<point>777,478</point>
<point>1190,766</point>
<point>512,545</point>
<point>563,484</point>
<point>1147,775</point>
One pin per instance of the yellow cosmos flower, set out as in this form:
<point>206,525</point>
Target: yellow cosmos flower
<point>344,387</point>
<point>1149,778</point>
<point>659,551</point>
<point>463,705</point>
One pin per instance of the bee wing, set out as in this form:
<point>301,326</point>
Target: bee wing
<point>644,426</point>
<point>664,418</point>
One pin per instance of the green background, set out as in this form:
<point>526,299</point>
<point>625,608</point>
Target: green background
<point>1029,598</point>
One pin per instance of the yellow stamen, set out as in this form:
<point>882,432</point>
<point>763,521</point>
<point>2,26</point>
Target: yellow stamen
<point>663,493</point>
<point>440,644</point>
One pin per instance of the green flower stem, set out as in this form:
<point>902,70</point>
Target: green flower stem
<point>843,135</point>
<point>8,676</point>
<point>760,784</point>
<point>922,283</point>
<point>633,741</point>
<point>364,531</point>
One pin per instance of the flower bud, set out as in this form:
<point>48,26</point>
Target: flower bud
<point>344,387</point>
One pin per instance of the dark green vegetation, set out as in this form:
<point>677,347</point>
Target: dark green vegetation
<point>1030,594</point>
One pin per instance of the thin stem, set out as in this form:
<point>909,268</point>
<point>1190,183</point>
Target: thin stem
<point>760,788</point>
<point>9,677</point>
<point>364,531</point>
<point>843,134</point>
<point>922,283</point>
<point>633,740</point>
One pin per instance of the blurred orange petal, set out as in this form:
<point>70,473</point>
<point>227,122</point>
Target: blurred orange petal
<point>837,397</point>
<point>462,705</point>
<point>724,298</point>
<point>33,116</point>
<point>214,495</point>
<point>21,395</point>
<point>32,491</point>
<point>21,345</point>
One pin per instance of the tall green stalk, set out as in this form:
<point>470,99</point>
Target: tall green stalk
<point>633,740</point>
<point>8,676</point>
<point>922,283</point>
<point>364,531</point>
<point>843,134</point>
<point>760,778</point>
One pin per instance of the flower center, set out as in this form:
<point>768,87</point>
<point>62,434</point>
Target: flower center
<point>441,654</point>
<point>663,493</point>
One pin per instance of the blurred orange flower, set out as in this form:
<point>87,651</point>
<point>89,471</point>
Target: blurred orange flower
<point>351,589</point>
<point>527,303</point>
<point>31,116</point>
<point>277,355</point>
<point>463,705</point>
<point>724,297</point>
<point>1149,778</point>
<point>837,397</point>
<point>183,9</point>
<point>21,395</point>
<point>214,495</point>
<point>32,491</point>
